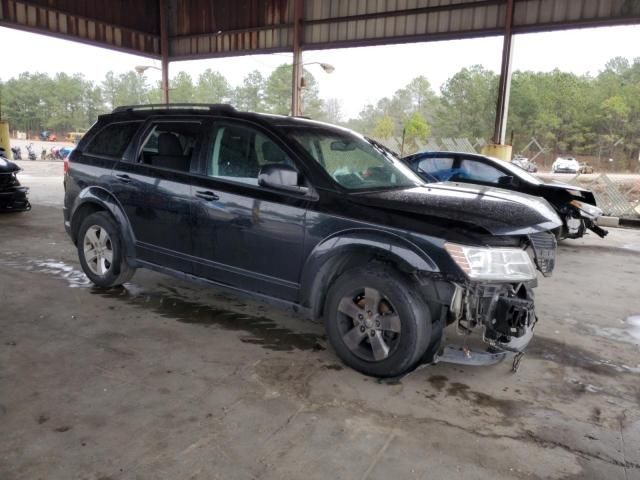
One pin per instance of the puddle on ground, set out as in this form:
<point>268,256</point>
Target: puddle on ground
<point>633,326</point>
<point>630,333</point>
<point>572,356</point>
<point>261,331</point>
<point>74,278</point>
<point>632,246</point>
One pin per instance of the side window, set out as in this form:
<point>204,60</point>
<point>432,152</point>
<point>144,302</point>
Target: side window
<point>479,172</point>
<point>441,168</point>
<point>238,153</point>
<point>170,145</point>
<point>113,140</point>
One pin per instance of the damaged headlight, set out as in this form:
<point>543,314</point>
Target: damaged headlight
<point>486,263</point>
<point>587,210</point>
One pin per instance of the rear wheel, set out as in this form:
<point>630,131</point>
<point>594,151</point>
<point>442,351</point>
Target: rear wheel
<point>376,322</point>
<point>100,251</point>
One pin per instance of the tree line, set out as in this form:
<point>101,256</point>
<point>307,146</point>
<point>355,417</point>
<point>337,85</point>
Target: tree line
<point>597,115</point>
<point>64,102</point>
<point>567,113</point>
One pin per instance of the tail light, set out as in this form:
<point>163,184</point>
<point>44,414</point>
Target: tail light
<point>66,165</point>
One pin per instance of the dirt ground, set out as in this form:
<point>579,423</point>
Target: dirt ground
<point>167,379</point>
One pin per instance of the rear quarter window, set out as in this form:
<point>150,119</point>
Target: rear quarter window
<point>113,139</point>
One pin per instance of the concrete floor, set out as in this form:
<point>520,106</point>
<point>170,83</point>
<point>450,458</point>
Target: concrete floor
<point>166,379</point>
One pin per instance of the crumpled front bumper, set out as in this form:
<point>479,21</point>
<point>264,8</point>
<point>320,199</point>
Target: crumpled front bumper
<point>501,316</point>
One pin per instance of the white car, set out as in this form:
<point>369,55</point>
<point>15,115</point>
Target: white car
<point>565,165</point>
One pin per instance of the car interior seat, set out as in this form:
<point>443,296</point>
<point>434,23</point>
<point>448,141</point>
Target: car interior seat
<point>170,153</point>
<point>237,156</point>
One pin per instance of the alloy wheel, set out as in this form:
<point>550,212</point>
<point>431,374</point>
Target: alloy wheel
<point>369,325</point>
<point>98,250</point>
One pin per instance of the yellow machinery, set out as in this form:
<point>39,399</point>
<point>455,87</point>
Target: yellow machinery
<point>503,152</point>
<point>4,138</point>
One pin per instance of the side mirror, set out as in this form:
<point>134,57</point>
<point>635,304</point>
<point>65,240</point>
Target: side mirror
<point>507,181</point>
<point>282,177</point>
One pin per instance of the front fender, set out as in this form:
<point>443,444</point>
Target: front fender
<point>97,198</point>
<point>349,248</point>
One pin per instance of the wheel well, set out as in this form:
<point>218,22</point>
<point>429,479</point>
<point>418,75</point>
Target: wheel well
<point>83,212</point>
<point>340,263</point>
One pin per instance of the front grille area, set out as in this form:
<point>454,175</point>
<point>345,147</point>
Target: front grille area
<point>544,248</point>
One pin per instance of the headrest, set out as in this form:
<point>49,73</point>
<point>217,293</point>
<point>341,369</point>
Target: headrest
<point>168,144</point>
<point>272,153</point>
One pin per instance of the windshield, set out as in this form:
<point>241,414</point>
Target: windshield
<point>352,161</point>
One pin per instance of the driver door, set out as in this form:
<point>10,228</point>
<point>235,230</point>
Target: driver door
<point>246,235</point>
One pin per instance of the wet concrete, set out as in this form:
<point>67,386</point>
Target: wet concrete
<point>166,379</point>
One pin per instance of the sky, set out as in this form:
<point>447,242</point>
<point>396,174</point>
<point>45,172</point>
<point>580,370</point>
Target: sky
<point>362,75</point>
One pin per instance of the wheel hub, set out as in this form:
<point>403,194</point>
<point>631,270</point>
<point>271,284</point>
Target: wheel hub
<point>372,327</point>
<point>98,250</point>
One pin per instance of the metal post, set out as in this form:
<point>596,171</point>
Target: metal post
<point>296,80</point>
<point>504,87</point>
<point>164,49</point>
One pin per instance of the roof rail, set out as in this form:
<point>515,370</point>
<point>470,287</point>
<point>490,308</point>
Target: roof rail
<point>176,106</point>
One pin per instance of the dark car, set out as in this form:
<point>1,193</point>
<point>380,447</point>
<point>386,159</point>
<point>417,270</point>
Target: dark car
<point>312,217</point>
<point>575,205</point>
<point>13,196</point>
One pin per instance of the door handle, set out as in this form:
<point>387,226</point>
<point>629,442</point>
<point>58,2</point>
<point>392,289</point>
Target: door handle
<point>123,177</point>
<point>206,195</point>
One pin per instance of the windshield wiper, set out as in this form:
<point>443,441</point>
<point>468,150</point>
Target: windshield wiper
<point>431,177</point>
<point>383,148</point>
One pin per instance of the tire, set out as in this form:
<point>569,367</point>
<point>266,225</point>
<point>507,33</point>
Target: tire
<point>404,321</point>
<point>102,256</point>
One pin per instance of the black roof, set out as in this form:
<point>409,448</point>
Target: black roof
<point>144,111</point>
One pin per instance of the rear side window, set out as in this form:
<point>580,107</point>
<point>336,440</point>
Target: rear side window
<point>113,140</point>
<point>171,145</point>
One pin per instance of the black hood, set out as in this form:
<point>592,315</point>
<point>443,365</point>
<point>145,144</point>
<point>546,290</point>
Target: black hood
<point>570,191</point>
<point>500,212</point>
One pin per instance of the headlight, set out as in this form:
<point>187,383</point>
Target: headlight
<point>482,263</point>
<point>589,211</point>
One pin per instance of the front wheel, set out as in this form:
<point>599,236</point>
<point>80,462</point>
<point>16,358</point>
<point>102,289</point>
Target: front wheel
<point>100,251</point>
<point>376,321</point>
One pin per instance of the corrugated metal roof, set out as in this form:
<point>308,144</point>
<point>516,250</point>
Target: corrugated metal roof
<point>106,24</point>
<point>207,28</point>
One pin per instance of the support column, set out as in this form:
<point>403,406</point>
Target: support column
<point>296,80</point>
<point>164,49</point>
<point>498,148</point>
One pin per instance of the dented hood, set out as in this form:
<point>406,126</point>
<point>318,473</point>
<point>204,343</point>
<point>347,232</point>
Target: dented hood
<point>500,212</point>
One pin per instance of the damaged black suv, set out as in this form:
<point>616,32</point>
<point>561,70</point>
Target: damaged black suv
<point>313,217</point>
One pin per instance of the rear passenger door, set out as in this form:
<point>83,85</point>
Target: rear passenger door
<point>153,186</point>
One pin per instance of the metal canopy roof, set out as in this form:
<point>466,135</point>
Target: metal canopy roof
<point>214,28</point>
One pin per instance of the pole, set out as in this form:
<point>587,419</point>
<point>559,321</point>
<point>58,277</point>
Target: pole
<point>504,87</point>
<point>296,79</point>
<point>164,49</point>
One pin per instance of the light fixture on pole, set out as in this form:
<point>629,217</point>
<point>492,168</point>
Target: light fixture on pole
<point>299,84</point>
<point>164,84</point>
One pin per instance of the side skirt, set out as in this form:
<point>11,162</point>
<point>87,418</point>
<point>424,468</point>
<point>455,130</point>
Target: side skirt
<point>304,312</point>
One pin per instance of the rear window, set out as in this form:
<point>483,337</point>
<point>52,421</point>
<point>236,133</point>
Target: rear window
<point>113,140</point>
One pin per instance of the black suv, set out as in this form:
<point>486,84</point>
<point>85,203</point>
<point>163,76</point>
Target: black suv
<point>313,217</point>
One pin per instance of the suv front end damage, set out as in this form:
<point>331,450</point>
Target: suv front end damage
<point>496,303</point>
<point>502,315</point>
